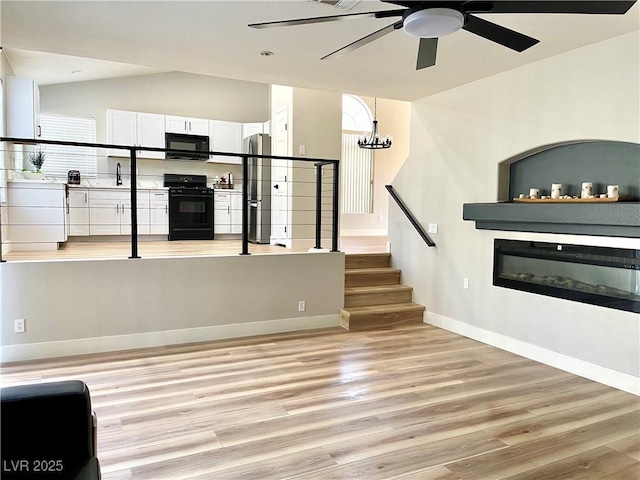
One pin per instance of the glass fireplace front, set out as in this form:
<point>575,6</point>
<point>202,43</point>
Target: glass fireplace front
<point>609,277</point>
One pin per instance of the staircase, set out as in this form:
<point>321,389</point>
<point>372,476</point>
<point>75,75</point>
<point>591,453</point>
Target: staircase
<point>373,295</point>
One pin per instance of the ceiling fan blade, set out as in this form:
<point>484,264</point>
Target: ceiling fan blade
<point>427,53</point>
<point>333,18</point>
<point>601,7</point>
<point>364,40</point>
<point>496,33</point>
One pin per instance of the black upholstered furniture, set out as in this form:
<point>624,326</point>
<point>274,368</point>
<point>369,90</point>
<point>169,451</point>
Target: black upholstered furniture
<point>48,432</point>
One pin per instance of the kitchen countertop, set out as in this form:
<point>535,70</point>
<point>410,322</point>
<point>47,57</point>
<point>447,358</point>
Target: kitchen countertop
<point>141,186</point>
<point>36,181</point>
<point>101,184</point>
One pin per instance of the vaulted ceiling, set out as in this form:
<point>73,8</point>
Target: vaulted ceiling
<point>212,38</point>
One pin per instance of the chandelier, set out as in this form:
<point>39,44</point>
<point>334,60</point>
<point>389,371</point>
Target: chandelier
<point>374,141</point>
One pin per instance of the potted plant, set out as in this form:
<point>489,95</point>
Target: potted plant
<point>36,158</point>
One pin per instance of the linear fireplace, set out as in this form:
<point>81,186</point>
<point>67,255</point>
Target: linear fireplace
<point>609,277</point>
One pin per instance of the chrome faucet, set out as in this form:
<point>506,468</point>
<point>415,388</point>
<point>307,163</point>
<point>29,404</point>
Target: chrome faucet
<point>118,176</point>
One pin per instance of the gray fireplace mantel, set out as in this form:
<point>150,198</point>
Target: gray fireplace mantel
<point>619,219</point>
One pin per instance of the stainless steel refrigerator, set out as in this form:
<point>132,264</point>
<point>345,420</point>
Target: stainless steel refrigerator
<point>259,194</point>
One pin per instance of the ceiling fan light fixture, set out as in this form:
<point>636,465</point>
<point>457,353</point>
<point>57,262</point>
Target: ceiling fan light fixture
<point>433,22</point>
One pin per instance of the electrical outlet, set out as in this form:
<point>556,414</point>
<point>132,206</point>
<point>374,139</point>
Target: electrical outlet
<point>301,306</point>
<point>302,149</point>
<point>466,284</point>
<point>19,325</point>
<point>432,228</point>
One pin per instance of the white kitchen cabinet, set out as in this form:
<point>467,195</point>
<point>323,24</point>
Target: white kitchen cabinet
<point>159,213</point>
<point>151,134</point>
<point>249,129</point>
<point>227,212</point>
<point>192,126</point>
<point>110,212</point>
<point>78,212</point>
<point>37,215</point>
<point>236,211</point>
<point>225,137</point>
<point>133,128</point>
<point>104,212</point>
<point>221,213</point>
<point>143,214</point>
<point>22,107</point>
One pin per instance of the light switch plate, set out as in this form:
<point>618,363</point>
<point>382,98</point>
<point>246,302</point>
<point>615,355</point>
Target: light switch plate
<point>432,228</point>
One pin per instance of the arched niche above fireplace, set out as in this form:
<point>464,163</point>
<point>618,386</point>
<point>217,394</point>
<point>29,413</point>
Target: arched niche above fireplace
<point>570,163</point>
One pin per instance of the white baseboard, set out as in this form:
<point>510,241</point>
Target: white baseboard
<point>606,376</point>
<point>30,351</point>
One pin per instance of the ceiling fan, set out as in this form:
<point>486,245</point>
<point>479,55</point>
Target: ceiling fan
<point>430,20</point>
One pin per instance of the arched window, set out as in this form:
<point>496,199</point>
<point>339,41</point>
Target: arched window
<point>356,116</point>
<point>357,163</point>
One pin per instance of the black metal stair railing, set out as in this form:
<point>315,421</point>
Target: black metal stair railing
<point>410,216</point>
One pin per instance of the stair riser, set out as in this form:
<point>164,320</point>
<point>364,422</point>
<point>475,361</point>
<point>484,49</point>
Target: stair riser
<point>373,321</point>
<point>367,261</point>
<point>371,279</point>
<point>365,299</point>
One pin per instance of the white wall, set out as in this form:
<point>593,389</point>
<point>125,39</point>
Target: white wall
<point>394,118</point>
<point>5,157</point>
<point>89,306</point>
<point>457,140</point>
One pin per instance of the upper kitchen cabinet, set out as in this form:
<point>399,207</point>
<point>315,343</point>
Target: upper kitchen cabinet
<point>22,104</point>
<point>249,129</point>
<point>133,128</point>
<point>225,137</point>
<point>192,126</point>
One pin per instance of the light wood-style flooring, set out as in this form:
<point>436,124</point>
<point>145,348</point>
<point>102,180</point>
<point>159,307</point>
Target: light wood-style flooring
<point>158,248</point>
<point>409,402</point>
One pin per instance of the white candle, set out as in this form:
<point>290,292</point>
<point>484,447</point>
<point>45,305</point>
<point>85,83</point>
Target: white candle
<point>556,190</point>
<point>587,190</point>
<point>612,191</point>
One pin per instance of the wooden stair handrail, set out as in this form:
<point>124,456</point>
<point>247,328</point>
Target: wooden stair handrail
<point>410,216</point>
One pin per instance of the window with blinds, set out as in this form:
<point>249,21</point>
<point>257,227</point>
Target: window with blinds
<point>357,176</point>
<point>60,159</point>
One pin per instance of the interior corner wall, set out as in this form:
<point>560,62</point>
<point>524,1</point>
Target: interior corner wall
<point>394,118</point>
<point>316,124</point>
<point>458,138</point>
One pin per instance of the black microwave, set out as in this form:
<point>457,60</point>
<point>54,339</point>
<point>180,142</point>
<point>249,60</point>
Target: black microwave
<point>187,147</point>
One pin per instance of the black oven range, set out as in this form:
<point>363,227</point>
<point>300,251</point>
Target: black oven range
<point>190,207</point>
